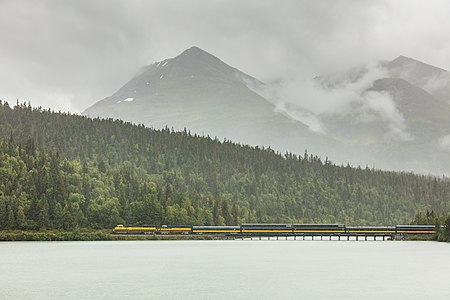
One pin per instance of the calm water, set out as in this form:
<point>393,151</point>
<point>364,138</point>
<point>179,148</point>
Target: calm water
<point>225,270</point>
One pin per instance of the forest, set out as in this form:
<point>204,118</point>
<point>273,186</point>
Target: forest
<point>65,171</point>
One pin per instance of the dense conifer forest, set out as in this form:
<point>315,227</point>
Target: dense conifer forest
<point>63,171</point>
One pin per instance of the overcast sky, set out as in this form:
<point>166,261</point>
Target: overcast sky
<point>69,54</point>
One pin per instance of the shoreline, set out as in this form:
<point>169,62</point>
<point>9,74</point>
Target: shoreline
<point>94,235</point>
<point>106,235</point>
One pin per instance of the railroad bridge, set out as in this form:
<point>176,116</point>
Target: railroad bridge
<point>322,236</point>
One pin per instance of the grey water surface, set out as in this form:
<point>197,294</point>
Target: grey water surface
<point>225,270</point>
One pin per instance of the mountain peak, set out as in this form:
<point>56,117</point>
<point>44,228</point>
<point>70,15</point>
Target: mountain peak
<point>193,50</point>
<point>414,71</point>
<point>403,61</point>
<point>194,71</point>
<point>196,53</point>
<point>195,63</point>
<point>402,58</point>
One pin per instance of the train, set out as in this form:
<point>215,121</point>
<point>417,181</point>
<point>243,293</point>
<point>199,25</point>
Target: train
<point>275,229</point>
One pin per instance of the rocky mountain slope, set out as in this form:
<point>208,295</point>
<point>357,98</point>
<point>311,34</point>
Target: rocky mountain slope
<point>434,80</point>
<point>199,92</point>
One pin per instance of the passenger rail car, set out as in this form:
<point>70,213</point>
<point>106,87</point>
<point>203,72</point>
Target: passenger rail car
<point>319,228</point>
<point>266,229</point>
<point>221,230</point>
<point>415,229</point>
<point>368,230</point>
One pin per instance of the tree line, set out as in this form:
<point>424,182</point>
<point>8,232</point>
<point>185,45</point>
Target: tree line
<point>65,171</point>
<point>440,220</point>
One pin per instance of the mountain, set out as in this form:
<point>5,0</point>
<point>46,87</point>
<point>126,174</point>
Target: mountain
<point>434,80</point>
<point>425,116</point>
<point>197,91</point>
<point>412,70</point>
<point>401,116</point>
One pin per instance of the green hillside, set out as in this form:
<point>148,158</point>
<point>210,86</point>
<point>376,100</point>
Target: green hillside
<point>62,171</point>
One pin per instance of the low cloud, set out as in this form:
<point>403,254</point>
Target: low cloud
<point>341,94</point>
<point>382,106</point>
<point>444,142</point>
<point>306,117</point>
<point>437,82</point>
<point>61,100</point>
<point>439,86</point>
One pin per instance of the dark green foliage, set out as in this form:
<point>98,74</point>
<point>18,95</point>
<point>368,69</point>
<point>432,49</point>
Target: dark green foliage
<point>442,222</point>
<point>78,235</point>
<point>429,218</point>
<point>62,171</point>
<point>446,231</point>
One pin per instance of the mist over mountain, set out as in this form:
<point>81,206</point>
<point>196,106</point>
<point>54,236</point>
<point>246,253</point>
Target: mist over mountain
<point>400,113</point>
<point>391,114</point>
<point>199,92</point>
<point>434,80</point>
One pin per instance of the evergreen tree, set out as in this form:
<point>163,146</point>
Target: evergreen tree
<point>66,171</point>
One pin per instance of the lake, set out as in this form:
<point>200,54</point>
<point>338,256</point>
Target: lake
<point>225,270</point>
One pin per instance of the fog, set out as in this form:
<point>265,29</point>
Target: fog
<point>68,55</point>
<point>346,94</point>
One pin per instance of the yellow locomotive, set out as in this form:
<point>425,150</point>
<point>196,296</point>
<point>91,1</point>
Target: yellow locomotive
<point>141,229</point>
